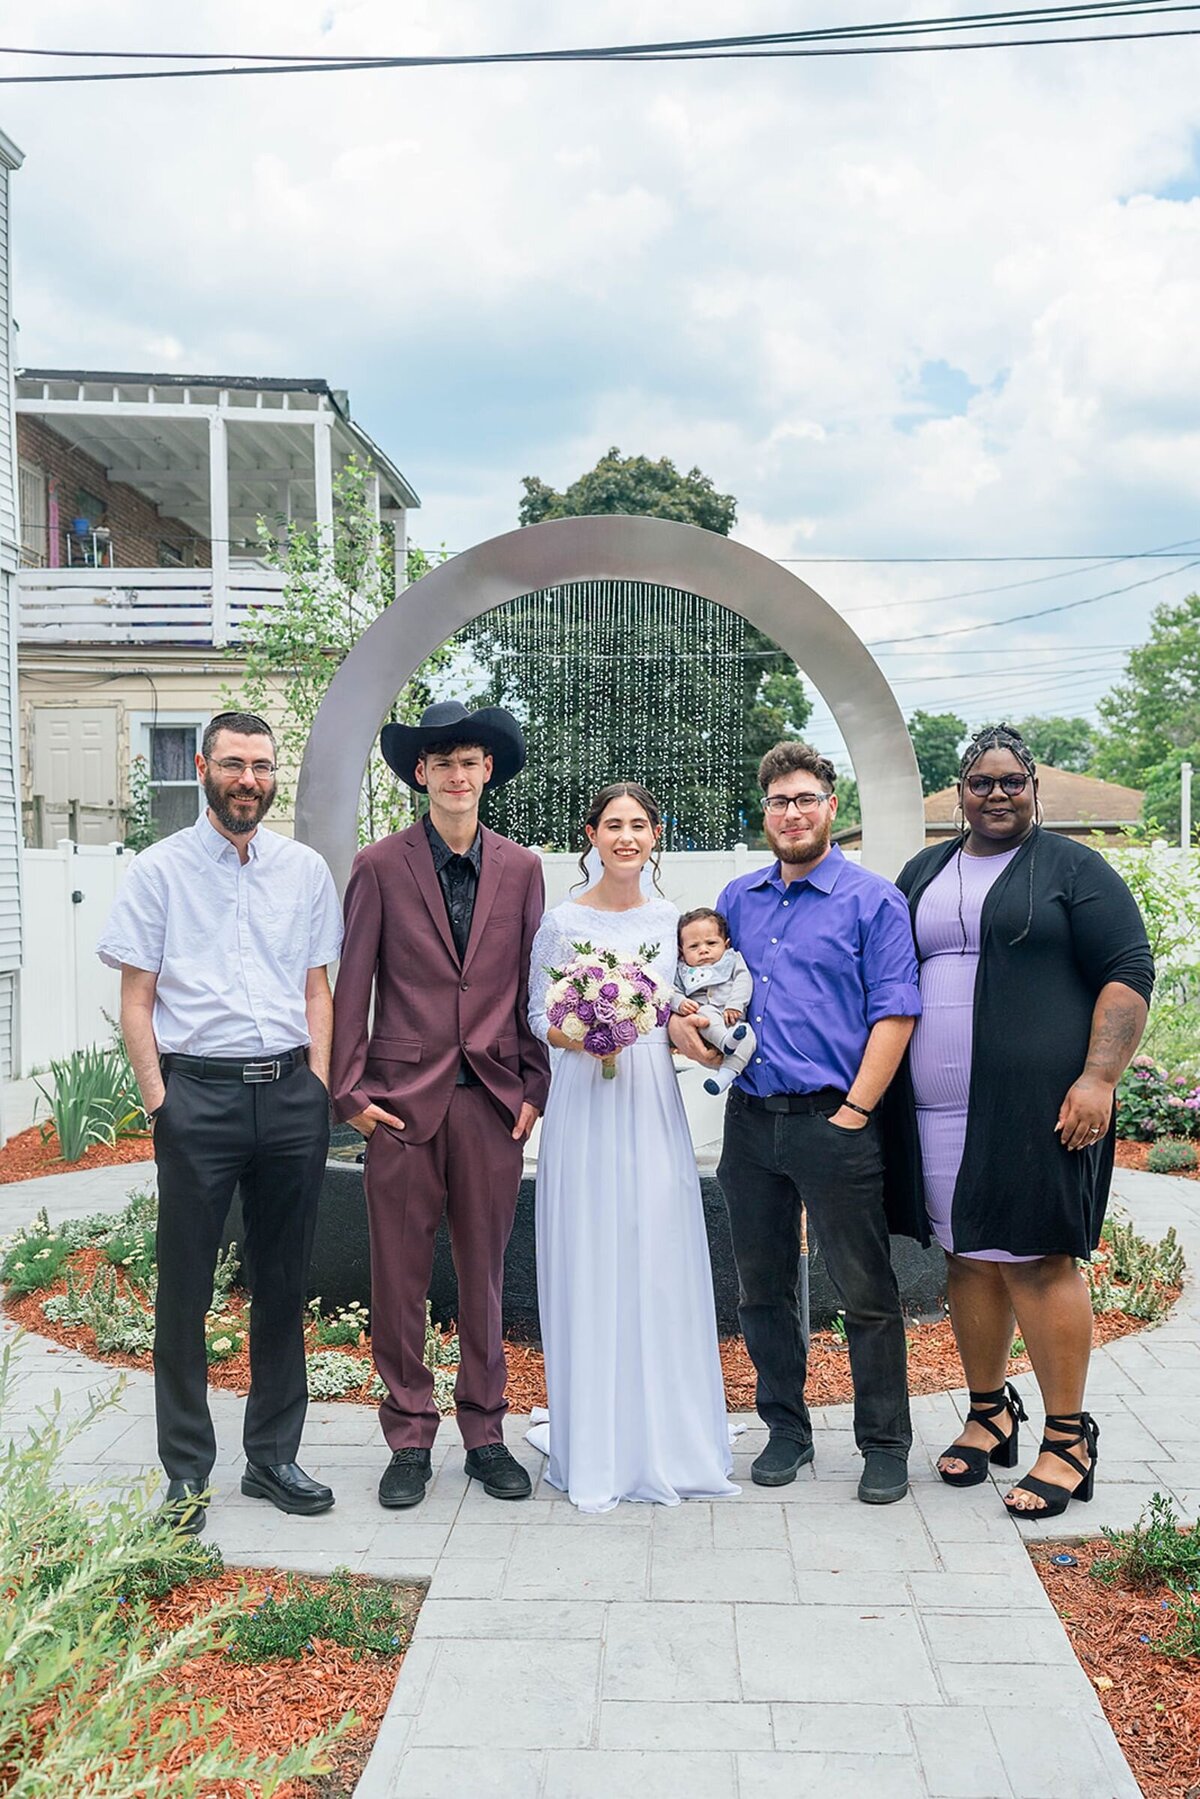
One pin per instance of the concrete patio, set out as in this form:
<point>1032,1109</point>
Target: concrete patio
<point>785,1642</point>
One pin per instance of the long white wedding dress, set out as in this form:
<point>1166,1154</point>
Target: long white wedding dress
<point>637,1404</point>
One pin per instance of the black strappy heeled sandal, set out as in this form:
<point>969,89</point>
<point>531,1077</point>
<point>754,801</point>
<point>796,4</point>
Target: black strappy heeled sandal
<point>1057,1499</point>
<point>985,1409</point>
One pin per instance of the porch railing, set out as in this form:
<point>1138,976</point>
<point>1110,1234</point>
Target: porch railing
<point>139,605</point>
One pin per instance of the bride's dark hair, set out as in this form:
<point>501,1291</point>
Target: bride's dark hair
<point>619,790</point>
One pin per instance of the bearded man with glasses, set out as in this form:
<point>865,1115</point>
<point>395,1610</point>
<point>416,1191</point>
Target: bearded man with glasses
<point>835,998</point>
<point>223,934</point>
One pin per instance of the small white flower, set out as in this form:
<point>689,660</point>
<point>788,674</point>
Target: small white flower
<point>220,1345</point>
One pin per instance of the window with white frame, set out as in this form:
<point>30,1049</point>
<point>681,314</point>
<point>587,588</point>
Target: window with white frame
<point>35,516</point>
<point>168,742</point>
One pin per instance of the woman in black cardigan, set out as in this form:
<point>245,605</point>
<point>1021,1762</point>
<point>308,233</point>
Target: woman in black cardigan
<point>1035,980</point>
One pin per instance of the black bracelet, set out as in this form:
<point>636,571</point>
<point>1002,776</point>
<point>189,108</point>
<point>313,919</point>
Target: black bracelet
<point>863,1111</point>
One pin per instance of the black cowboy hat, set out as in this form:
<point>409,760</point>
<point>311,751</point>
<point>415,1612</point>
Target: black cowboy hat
<point>494,729</point>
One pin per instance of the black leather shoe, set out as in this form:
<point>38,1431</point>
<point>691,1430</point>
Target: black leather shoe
<point>780,1462</point>
<point>185,1507</point>
<point>288,1488</point>
<point>501,1473</point>
<point>884,1477</point>
<point>405,1478</point>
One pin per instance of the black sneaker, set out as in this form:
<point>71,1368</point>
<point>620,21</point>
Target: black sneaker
<point>780,1462</point>
<point>405,1478</point>
<point>501,1473</point>
<point>884,1477</point>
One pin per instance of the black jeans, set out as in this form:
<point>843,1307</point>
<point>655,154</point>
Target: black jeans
<point>772,1164</point>
<point>209,1137</point>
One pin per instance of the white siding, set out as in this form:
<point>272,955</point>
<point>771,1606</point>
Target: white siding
<point>9,540</point>
<point>10,814</point>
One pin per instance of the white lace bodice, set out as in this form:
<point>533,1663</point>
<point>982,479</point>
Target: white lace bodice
<point>654,924</point>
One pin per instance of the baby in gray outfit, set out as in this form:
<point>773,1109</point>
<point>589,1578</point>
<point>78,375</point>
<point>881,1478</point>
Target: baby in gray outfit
<point>713,979</point>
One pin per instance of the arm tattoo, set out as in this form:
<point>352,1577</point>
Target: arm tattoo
<point>1118,1021</point>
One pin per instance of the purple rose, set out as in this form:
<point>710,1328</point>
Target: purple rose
<point>557,1013</point>
<point>605,1011</point>
<point>601,1040</point>
<point>662,1013</point>
<point>645,981</point>
<point>625,1032</point>
<point>610,990</point>
<point>595,972</point>
<point>585,1012</point>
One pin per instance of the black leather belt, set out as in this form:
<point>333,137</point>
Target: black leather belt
<point>825,1099</point>
<point>215,1068</point>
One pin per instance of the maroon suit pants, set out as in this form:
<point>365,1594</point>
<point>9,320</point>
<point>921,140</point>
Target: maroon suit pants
<point>471,1170</point>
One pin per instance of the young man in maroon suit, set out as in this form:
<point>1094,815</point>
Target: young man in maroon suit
<point>446,1082</point>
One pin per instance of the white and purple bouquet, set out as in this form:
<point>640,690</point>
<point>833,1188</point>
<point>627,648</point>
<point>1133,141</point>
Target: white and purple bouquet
<point>606,1002</point>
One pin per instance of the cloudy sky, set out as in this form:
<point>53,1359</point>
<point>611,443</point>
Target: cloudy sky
<point>930,307</point>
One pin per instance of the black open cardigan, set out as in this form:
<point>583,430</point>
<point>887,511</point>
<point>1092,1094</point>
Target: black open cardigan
<point>1018,1189</point>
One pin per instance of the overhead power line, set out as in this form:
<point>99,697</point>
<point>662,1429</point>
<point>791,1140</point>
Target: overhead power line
<point>970,593</point>
<point>889,38</point>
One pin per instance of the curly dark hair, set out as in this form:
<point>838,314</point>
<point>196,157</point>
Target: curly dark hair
<point>789,758</point>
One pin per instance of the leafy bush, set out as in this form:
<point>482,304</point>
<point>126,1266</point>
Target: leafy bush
<point>1129,1274</point>
<point>86,1670</point>
<point>34,1256</point>
<point>1183,1640</point>
<point>368,1617</point>
<point>224,1278</point>
<point>346,1328</point>
<point>1167,892</point>
<point>133,1250</point>
<point>332,1373</point>
<point>1169,1156</point>
<point>82,1233</point>
<point>95,1100</point>
<point>1151,1103</point>
<point>121,1325</point>
<point>223,1337</point>
<point>1157,1549</point>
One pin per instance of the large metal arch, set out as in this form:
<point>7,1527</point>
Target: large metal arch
<point>612,547</point>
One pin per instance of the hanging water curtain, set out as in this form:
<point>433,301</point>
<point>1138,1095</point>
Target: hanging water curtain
<point>618,680</point>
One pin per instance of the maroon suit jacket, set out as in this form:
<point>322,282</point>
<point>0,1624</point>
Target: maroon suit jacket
<point>430,1010</point>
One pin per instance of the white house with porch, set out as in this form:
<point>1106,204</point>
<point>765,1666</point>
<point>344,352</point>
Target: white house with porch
<point>140,496</point>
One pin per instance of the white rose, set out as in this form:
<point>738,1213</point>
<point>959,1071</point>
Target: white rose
<point>573,1028</point>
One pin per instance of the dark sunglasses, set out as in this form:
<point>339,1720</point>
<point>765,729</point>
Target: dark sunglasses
<point>981,785</point>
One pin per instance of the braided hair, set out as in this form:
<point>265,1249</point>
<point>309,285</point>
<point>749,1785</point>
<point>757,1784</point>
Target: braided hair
<point>1001,737</point>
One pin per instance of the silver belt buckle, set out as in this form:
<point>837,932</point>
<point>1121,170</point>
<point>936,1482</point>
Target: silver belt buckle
<point>253,1073</point>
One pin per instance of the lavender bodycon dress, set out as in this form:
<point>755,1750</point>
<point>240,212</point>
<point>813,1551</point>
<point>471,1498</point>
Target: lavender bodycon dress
<point>940,1057</point>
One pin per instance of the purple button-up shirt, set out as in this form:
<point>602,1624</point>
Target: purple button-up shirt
<point>831,955</point>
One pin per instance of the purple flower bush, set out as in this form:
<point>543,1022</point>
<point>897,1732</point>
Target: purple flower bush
<point>1152,1103</point>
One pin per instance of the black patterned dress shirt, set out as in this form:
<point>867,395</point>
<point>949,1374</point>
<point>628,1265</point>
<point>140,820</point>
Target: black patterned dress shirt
<point>458,878</point>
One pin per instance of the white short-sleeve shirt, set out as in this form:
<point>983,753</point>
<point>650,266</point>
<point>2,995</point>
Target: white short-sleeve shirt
<point>230,942</point>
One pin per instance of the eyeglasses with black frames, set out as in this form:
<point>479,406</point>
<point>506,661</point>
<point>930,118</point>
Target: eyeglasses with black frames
<point>777,803</point>
<point>981,785</point>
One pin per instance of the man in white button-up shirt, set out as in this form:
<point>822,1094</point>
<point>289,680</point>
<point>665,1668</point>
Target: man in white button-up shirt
<point>223,935</point>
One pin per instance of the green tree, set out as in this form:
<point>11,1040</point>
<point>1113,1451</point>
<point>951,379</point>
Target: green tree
<point>1059,742</point>
<point>1150,722</point>
<point>936,737</point>
<point>763,701</point>
<point>334,587</point>
<point>636,485</point>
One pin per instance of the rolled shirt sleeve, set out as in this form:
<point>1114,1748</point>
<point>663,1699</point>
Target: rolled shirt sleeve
<point>325,937</point>
<point>135,931</point>
<point>889,961</point>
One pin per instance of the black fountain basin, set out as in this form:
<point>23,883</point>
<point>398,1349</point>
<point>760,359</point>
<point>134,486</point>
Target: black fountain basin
<point>341,1265</point>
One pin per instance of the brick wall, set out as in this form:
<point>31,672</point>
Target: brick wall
<point>137,525</point>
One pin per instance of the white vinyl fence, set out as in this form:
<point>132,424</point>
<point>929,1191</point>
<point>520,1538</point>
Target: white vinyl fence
<point>65,990</point>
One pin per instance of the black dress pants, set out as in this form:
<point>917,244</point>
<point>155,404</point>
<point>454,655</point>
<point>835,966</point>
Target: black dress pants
<point>772,1164</point>
<point>272,1138</point>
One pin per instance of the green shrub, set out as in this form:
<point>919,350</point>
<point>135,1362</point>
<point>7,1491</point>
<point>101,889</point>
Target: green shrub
<point>132,1250</point>
<point>1158,1549</point>
<point>1183,1639</point>
<point>224,1279</point>
<point>119,1323</point>
<point>1171,1157</point>
<point>223,1337</point>
<point>1152,1103</point>
<point>345,1329</point>
<point>33,1257</point>
<point>369,1617</point>
<point>1129,1273</point>
<point>331,1373</point>
<point>95,1100</point>
<point>87,1670</point>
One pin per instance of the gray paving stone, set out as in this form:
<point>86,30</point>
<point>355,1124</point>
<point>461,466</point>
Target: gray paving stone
<point>1016,1683</point>
<point>561,1562</point>
<point>511,1619</point>
<point>828,1729</point>
<point>510,1695</point>
<point>744,1575</point>
<point>668,1652</point>
<point>860,1537</point>
<point>604,1773</point>
<point>684,1724</point>
<point>807,1652</point>
<point>470,1579</point>
<point>957,1755</point>
<point>456,1773</point>
<point>819,1586</point>
<point>749,1527</point>
<point>488,1542</point>
<point>1044,1750</point>
<point>1018,1590</point>
<point>1031,1637</point>
<point>784,1775</point>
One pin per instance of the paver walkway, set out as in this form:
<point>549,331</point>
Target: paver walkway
<point>782,1643</point>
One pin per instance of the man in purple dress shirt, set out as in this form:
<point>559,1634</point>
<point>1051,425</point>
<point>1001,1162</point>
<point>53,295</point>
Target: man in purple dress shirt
<point>830,948</point>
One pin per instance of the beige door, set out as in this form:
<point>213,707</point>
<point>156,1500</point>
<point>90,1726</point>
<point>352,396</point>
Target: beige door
<point>73,755</point>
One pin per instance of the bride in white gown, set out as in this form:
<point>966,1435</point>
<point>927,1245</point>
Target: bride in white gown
<point>637,1404</point>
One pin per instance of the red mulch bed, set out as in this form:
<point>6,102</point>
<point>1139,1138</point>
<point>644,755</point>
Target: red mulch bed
<point>29,1154</point>
<point>933,1361</point>
<point>1131,1154</point>
<point>1151,1700</point>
